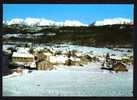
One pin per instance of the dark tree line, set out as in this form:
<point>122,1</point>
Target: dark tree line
<point>90,35</point>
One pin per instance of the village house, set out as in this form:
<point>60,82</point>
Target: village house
<point>23,57</point>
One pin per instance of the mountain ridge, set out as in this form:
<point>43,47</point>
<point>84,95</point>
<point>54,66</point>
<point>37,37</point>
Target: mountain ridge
<point>45,22</point>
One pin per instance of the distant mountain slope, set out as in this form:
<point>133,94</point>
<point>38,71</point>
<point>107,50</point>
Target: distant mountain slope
<point>117,34</point>
<point>46,22</point>
<point>113,21</point>
<point>43,22</point>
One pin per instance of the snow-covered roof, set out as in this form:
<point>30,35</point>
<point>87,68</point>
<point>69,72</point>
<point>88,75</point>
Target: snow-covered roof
<point>115,57</point>
<point>22,52</point>
<point>119,57</point>
<point>74,59</point>
<point>22,49</point>
<point>58,59</point>
<point>26,55</point>
<point>47,53</point>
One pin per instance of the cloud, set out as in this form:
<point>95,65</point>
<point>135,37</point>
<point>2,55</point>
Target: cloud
<point>113,21</point>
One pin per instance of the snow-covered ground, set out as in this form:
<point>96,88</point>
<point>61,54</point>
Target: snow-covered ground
<point>87,80</point>
<point>86,49</point>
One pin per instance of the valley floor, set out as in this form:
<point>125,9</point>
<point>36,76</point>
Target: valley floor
<point>88,80</point>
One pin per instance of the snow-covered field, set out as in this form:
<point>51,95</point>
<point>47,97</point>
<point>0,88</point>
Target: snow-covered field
<point>81,81</point>
<point>87,80</point>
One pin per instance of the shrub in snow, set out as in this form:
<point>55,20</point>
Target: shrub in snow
<point>58,53</point>
<point>85,59</point>
<point>71,62</point>
<point>19,70</point>
<point>119,67</point>
<point>44,65</point>
<point>68,62</point>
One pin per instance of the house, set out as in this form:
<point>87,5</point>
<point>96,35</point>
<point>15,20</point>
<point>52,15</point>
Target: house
<point>23,57</point>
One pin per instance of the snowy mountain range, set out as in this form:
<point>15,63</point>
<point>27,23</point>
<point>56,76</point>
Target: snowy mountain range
<point>43,22</point>
<point>113,21</point>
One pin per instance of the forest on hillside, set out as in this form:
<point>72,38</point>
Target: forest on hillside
<point>108,35</point>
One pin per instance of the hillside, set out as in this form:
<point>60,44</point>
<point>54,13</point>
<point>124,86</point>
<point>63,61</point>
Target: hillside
<point>107,35</point>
